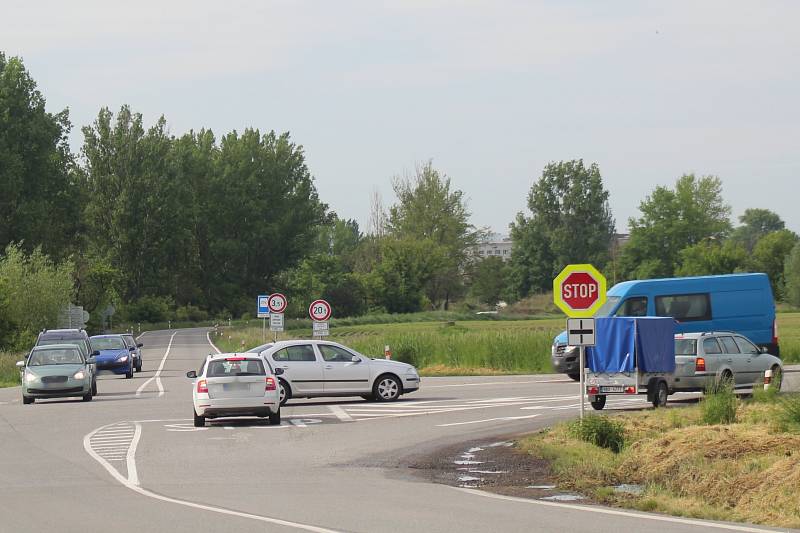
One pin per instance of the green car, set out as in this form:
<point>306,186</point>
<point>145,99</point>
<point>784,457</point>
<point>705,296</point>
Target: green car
<point>56,371</point>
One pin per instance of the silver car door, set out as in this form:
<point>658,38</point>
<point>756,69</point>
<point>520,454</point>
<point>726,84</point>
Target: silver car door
<point>301,368</point>
<point>755,364</point>
<point>735,359</point>
<point>712,353</point>
<point>341,373</point>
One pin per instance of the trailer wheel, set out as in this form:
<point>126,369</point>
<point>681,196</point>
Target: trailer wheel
<point>660,396</point>
<point>598,402</point>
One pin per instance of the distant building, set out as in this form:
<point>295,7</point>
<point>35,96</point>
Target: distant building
<point>495,244</point>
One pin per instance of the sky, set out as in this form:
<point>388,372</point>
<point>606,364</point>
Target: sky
<point>489,91</point>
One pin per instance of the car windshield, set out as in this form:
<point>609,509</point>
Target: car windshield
<point>235,367</point>
<point>607,307</point>
<point>55,356</point>
<point>685,347</point>
<point>75,342</point>
<point>108,343</point>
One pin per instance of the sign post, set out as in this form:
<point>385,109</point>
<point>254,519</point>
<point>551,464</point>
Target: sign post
<point>262,312</point>
<point>579,291</point>
<point>277,305</point>
<point>320,311</point>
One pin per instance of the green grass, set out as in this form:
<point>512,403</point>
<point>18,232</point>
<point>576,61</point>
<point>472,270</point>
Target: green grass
<point>9,373</point>
<point>789,334</point>
<point>520,346</point>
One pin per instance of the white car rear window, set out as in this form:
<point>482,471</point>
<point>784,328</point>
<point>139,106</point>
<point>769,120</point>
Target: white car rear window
<point>235,367</point>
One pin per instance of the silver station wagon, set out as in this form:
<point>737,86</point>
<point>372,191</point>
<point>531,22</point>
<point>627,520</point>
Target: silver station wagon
<point>703,359</point>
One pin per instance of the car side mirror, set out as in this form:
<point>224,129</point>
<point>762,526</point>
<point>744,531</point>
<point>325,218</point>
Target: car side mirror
<point>763,349</point>
<point>91,361</point>
<point>355,359</point>
<point>139,345</point>
<point>191,374</point>
<point>95,353</point>
<point>20,364</point>
<point>278,371</point>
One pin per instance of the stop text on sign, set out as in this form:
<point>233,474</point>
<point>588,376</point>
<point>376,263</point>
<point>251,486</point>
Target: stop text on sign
<point>579,290</point>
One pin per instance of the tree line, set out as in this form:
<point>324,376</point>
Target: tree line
<point>185,227</point>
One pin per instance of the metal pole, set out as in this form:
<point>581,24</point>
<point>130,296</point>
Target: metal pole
<point>263,330</point>
<point>583,373</point>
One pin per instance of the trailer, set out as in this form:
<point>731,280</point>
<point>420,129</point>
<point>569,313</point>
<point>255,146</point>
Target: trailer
<point>631,356</point>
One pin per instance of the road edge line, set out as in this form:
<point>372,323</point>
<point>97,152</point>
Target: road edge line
<point>615,512</point>
<point>127,483</point>
<point>208,336</point>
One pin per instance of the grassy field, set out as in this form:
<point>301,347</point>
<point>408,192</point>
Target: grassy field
<point>440,348</point>
<point>745,471</point>
<point>9,373</point>
<point>467,347</point>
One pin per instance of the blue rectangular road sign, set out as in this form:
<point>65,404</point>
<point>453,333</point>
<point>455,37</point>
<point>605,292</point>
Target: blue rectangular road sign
<point>263,306</point>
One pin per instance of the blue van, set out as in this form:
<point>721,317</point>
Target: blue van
<point>742,303</point>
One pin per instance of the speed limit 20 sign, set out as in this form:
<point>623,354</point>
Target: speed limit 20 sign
<point>579,290</point>
<point>319,310</point>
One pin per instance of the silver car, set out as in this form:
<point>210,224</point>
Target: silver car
<point>703,359</point>
<point>56,371</point>
<point>323,368</point>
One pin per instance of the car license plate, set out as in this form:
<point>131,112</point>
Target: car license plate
<point>612,388</point>
<point>235,386</point>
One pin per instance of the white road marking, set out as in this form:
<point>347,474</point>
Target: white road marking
<point>479,384</point>
<point>502,418</point>
<point>157,376</point>
<point>130,457</point>
<point>134,486</point>
<point>617,512</point>
<point>340,413</point>
<point>208,336</point>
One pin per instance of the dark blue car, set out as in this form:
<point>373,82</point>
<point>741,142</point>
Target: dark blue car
<point>115,356</point>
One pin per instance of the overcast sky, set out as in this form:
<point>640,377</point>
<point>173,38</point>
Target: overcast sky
<point>491,91</point>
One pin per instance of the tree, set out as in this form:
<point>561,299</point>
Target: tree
<point>428,209</point>
<point>570,222</point>
<point>40,202</point>
<point>406,267</point>
<point>489,280</point>
<point>671,221</point>
<point>709,257</point>
<point>769,256</point>
<point>791,274</point>
<point>755,224</point>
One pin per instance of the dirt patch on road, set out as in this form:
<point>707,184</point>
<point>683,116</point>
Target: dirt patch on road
<point>495,466</point>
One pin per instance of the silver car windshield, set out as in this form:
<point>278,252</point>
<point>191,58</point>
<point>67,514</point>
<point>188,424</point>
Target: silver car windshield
<point>62,356</point>
<point>685,347</point>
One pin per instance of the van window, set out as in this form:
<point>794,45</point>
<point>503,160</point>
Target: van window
<point>711,346</point>
<point>684,307</point>
<point>635,306</point>
<point>729,345</point>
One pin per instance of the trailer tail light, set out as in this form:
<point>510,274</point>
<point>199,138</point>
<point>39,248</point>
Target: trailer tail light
<point>202,387</point>
<point>271,384</point>
<point>630,390</point>
<point>592,390</point>
<point>700,365</point>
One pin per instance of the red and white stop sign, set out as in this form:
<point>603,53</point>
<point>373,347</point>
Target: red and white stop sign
<point>579,290</point>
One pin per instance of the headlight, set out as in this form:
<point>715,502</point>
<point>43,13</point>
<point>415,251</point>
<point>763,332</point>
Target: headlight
<point>30,376</point>
<point>80,374</point>
<point>122,359</point>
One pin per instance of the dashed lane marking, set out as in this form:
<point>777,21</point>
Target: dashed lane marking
<point>157,375</point>
<point>502,418</point>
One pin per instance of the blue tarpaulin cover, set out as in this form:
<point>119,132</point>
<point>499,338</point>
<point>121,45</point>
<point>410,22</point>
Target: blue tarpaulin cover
<point>621,340</point>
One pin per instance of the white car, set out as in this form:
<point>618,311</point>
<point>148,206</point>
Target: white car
<point>323,368</point>
<point>235,385</point>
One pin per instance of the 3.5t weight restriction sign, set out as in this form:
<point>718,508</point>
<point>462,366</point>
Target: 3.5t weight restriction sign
<point>277,302</point>
<point>319,310</point>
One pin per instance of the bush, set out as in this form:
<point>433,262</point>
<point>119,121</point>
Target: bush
<point>150,309</point>
<point>719,404</point>
<point>190,313</point>
<point>600,431</point>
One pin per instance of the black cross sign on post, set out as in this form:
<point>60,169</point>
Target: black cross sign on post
<point>580,332</point>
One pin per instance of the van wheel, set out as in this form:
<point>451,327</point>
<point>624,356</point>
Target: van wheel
<point>598,402</point>
<point>660,397</point>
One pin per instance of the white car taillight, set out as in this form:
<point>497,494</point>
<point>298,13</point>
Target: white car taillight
<point>202,387</point>
<point>271,385</point>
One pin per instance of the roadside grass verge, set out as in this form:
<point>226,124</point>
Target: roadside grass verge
<point>441,348</point>
<point>9,373</point>
<point>746,471</point>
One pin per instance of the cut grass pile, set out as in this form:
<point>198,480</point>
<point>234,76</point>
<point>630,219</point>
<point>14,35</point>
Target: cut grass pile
<point>747,471</point>
<point>440,348</point>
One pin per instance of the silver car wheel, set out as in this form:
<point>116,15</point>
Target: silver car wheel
<point>388,389</point>
<point>283,392</point>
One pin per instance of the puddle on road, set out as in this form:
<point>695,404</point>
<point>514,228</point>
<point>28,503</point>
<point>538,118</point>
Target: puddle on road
<point>468,462</point>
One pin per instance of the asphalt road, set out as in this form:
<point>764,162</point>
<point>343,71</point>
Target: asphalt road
<point>131,460</point>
